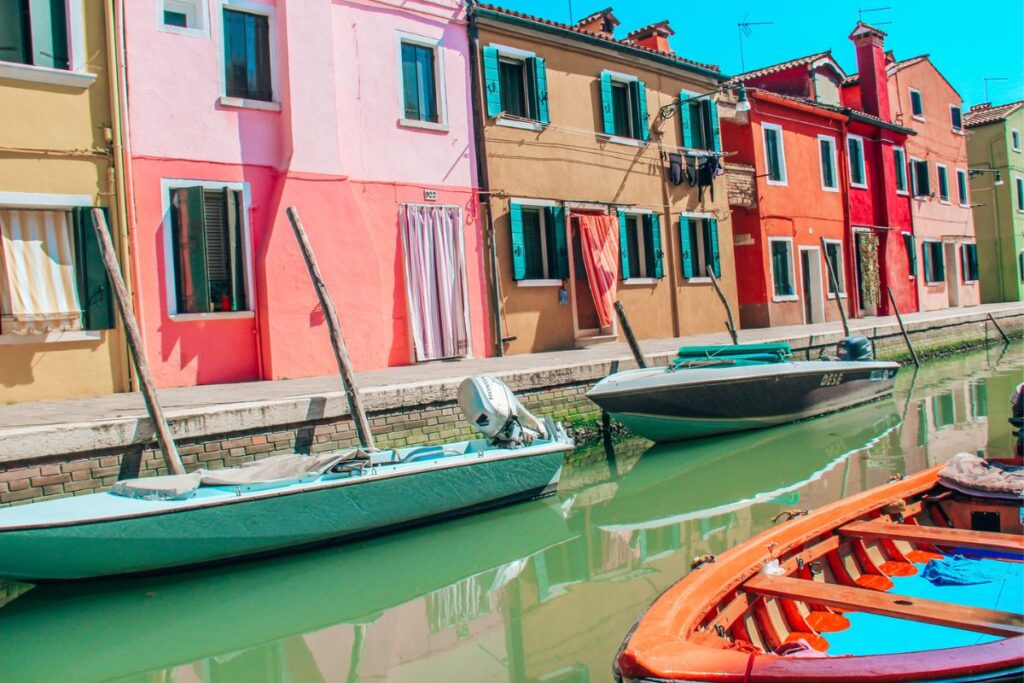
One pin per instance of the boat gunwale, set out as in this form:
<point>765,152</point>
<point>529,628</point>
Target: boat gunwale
<point>293,489</point>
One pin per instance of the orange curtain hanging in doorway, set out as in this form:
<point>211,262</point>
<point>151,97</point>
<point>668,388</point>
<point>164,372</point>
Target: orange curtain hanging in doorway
<point>599,242</point>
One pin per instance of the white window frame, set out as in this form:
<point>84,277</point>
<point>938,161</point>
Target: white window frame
<point>1018,182</point>
<point>765,127</point>
<point>647,278</point>
<point>924,271</point>
<point>702,248</point>
<point>626,79</point>
<point>437,45</point>
<point>275,88</point>
<point>963,262</point>
<point>198,10</point>
<point>860,155</point>
<point>841,275</point>
<point>795,296</point>
<point>963,201</point>
<point>916,117</point>
<point>170,284</point>
<point>938,184</point>
<point>913,180</point>
<point>76,75</point>
<point>960,130</point>
<point>1015,138</point>
<point>538,204</point>
<point>833,161</point>
<point>906,171</point>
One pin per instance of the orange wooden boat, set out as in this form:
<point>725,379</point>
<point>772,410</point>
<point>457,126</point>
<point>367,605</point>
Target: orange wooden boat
<point>839,595</point>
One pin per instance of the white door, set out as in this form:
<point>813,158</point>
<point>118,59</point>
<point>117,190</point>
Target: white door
<point>952,273</point>
<point>811,279</point>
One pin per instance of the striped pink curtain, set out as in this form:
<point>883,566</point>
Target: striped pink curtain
<point>435,275</point>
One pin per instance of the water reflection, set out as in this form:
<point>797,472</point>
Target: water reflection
<point>537,592</point>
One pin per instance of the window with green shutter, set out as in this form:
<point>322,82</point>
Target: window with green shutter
<point>899,158</point>
<point>908,244</point>
<point>419,87</point>
<point>95,293</point>
<point>539,248</point>
<point>858,173</point>
<point>774,154</point>
<point>208,238</point>
<point>640,245</point>
<point>1020,193</point>
<point>919,176</point>
<point>943,176</point>
<point>516,86</point>
<point>247,55</point>
<point>827,153</point>
<point>961,186</point>
<point>956,118</point>
<point>916,103</point>
<point>34,32</point>
<point>934,261</point>
<point>782,267</point>
<point>834,254</point>
<point>624,107</point>
<point>698,122</point>
<point>969,261</point>
<point>698,245</point>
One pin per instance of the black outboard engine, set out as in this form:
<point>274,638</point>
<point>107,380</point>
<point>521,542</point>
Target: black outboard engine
<point>856,347</point>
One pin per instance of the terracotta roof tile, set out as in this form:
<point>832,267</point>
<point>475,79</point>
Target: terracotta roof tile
<point>782,66</point>
<point>651,28</point>
<point>890,69</point>
<point>979,115</point>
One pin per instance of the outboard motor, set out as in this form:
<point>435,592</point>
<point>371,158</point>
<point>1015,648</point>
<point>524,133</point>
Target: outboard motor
<point>491,407</point>
<point>856,347</point>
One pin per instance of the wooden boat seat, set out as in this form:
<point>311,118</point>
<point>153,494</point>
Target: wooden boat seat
<point>960,538</point>
<point>993,622</point>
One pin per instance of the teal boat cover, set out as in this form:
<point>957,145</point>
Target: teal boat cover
<point>736,354</point>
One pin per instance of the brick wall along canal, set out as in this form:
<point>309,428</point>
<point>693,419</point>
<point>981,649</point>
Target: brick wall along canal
<point>542,591</point>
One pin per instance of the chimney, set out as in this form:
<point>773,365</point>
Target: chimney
<point>983,105</point>
<point>874,84</point>
<point>602,23</point>
<point>654,37</point>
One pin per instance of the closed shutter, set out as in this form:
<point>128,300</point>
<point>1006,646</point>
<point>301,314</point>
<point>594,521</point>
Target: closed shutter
<point>607,108</point>
<point>518,243</point>
<point>624,245</point>
<point>236,249</point>
<point>492,84</point>
<point>540,88</point>
<point>771,153</point>
<point>686,246</point>
<point>189,244</point>
<point>14,42</point>
<point>926,260</point>
<point>778,280</point>
<point>49,29</point>
<point>559,265</point>
<point>639,102</point>
<point>218,249</point>
<point>940,261</point>
<point>908,241</point>
<point>712,115</point>
<point>95,293</point>
<point>943,182</point>
<point>924,187</point>
<point>974,261</point>
<point>711,239</point>
<point>685,123</point>
<point>655,256</point>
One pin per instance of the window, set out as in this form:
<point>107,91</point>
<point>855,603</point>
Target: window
<point>247,55</point>
<point>624,106</point>
<point>908,243</point>
<point>1020,265</point>
<point>208,250</point>
<point>916,104</point>
<point>899,157</point>
<point>782,269</point>
<point>834,254</point>
<point>516,84</point>
<point>969,261</point>
<point>698,122</point>
<point>961,187</point>
<point>419,81</point>
<point>1020,193</point>
<point>858,174</point>
<point>943,176</point>
<point>538,242</point>
<point>34,32</point>
<point>698,246</point>
<point>956,118</point>
<point>183,16</point>
<point>919,177</point>
<point>774,154</point>
<point>1015,139</point>
<point>827,150</point>
<point>934,262</point>
<point>640,245</point>
<point>52,277</point>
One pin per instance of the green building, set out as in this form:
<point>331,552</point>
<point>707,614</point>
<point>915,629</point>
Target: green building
<point>995,154</point>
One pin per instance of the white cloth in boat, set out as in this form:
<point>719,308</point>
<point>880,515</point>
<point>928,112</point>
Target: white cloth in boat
<point>277,470</point>
<point>976,476</point>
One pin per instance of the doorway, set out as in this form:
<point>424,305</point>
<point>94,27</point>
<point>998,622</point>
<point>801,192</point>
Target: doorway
<point>952,275</point>
<point>587,326</point>
<point>811,279</point>
<point>868,287</point>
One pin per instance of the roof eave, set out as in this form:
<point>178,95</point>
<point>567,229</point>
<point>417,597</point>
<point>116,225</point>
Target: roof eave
<point>864,118</point>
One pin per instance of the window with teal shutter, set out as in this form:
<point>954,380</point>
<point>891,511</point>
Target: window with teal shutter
<point>492,81</point>
<point>652,246</point>
<point>534,244</point>
<point>638,102</point>
<point>15,43</point>
<point>916,104</point>
<point>714,133</point>
<point>711,240</point>
<point>969,255</point>
<point>34,32</point>
<point>686,119</point>
<point>95,293</point>
<point>698,123</point>
<point>515,216</point>
<point>558,250</point>
<point>961,186</point>
<point>855,147</point>
<point>607,106</point>
<point>943,175</point>
<point>919,174</point>
<point>782,260</point>
<point>773,154</point>
<point>899,158</point>
<point>686,246</point>
<point>934,261</point>
<point>621,114</point>
<point>627,245</point>
<point>908,243</point>
<point>540,91</point>
<point>826,150</point>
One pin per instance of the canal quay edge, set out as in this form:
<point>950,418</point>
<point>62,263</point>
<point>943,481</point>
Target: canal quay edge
<point>76,453</point>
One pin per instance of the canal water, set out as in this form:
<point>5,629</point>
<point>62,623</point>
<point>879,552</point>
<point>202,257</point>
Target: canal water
<point>539,592</point>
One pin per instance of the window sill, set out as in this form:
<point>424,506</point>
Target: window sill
<point>521,124</point>
<point>903,193</point>
<point>42,74</point>
<point>944,201</point>
<point>423,125</point>
<point>640,281</point>
<point>859,186</point>
<point>699,280</point>
<point>832,297</point>
<point>788,297</point>
<point>777,183</point>
<point>829,189</point>
<point>183,31</point>
<point>628,142</point>
<point>917,117</point>
<point>50,338</point>
<point>964,206</point>
<point>222,315</point>
<point>538,283</point>
<point>957,131</point>
<point>242,103</point>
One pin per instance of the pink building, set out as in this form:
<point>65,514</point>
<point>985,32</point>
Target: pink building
<point>354,111</point>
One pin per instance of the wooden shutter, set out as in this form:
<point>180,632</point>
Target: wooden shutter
<point>492,81</point>
<point>559,264</point>
<point>771,153</point>
<point>778,279</point>
<point>638,92</point>
<point>908,241</point>
<point>711,234</point>
<point>685,123</point>
<point>236,248</point>
<point>49,29</point>
<point>974,261</point>
<point>685,246</point>
<point>655,256</point>
<point>540,88</point>
<point>14,43</point>
<point>607,107</point>
<point>624,245</point>
<point>926,260</point>
<point>712,117</point>
<point>189,244</point>
<point>939,257</point>
<point>518,243</point>
<point>95,292</point>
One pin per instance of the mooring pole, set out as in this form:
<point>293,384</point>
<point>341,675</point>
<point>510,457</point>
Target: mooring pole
<point>903,329</point>
<point>355,403</point>
<point>728,309</point>
<point>835,288</point>
<point>630,339</point>
<point>134,339</point>
<point>1006,340</point>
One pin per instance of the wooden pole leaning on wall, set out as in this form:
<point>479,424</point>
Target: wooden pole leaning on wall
<point>903,329</point>
<point>134,338</point>
<point>634,347</point>
<point>833,278</point>
<point>355,403</point>
<point>729,323</point>
<point>1006,340</point>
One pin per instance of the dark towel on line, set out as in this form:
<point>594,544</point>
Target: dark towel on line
<point>675,168</point>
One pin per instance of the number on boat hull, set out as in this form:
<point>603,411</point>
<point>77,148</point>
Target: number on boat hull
<point>831,379</point>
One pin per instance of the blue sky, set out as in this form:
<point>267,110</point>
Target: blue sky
<point>967,41</point>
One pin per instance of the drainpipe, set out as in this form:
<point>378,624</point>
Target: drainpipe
<point>483,178</point>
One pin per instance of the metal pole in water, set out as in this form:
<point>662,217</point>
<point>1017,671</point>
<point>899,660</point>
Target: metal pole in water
<point>1006,340</point>
<point>725,302</point>
<point>630,339</point>
<point>899,319</point>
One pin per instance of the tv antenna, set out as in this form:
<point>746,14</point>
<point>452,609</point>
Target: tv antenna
<point>743,27</point>
<point>861,12</point>
<point>570,11</point>
<point>992,78</point>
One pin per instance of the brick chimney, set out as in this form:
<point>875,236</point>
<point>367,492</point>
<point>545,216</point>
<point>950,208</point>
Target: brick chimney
<point>871,62</point>
<point>653,37</point>
<point>602,23</point>
<point>981,106</point>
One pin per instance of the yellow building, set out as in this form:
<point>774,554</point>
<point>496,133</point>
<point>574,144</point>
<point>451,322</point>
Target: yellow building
<point>58,146</point>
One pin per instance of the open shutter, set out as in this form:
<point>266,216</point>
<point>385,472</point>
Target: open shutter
<point>716,136</point>
<point>49,28</point>
<point>236,249</point>
<point>540,88</point>
<point>685,246</point>
<point>655,256</point>
<point>95,292</point>
<point>940,262</point>
<point>639,101</point>
<point>926,259</point>
<point>492,83</point>
<point>684,120</point>
<point>13,41</point>
<point>555,217</point>
<point>518,243</point>
<point>607,110</point>
<point>624,245</point>
<point>711,228</point>
<point>973,254</point>
<point>908,241</point>
<point>189,244</point>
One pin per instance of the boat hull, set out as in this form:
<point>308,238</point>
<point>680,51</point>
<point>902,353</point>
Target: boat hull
<point>287,519</point>
<point>686,404</point>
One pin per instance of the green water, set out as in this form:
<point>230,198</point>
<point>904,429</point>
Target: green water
<point>539,592</point>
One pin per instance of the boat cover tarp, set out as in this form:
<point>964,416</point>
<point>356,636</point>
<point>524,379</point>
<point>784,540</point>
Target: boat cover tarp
<point>277,470</point>
<point>962,571</point>
<point>976,476</point>
<point>779,350</point>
